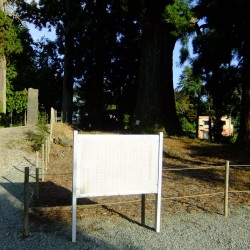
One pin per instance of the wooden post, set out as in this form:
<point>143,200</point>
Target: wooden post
<point>37,176</point>
<point>37,159</point>
<point>46,154</point>
<point>52,119</point>
<point>25,118</point>
<point>42,162</point>
<point>226,189</point>
<point>37,184</point>
<point>26,203</point>
<point>143,202</point>
<point>48,147</point>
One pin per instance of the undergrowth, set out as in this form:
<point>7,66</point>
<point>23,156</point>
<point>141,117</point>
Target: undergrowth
<point>38,137</point>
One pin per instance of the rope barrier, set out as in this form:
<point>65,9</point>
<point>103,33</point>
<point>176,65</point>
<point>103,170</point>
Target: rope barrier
<point>239,165</point>
<point>134,201</point>
<point>240,191</point>
<point>59,174</point>
<point>180,169</point>
<point>191,196</point>
<point>211,167</point>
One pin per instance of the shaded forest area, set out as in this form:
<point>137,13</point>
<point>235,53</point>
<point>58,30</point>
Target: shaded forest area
<point>110,67</point>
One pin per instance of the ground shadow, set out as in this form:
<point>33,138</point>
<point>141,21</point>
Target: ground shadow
<point>232,153</point>
<point>11,221</point>
<point>181,159</point>
<point>205,175</point>
<point>127,218</point>
<point>52,195</point>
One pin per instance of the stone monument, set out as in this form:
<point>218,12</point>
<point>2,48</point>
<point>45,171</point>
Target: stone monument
<point>32,109</point>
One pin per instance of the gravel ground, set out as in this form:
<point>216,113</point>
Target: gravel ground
<point>178,231</point>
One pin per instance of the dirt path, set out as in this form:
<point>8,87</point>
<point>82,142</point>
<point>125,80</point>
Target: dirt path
<point>15,155</point>
<point>195,223</point>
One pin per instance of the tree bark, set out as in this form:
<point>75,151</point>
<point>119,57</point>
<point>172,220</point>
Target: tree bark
<point>68,79</point>
<point>94,90</point>
<point>2,74</point>
<point>155,107</point>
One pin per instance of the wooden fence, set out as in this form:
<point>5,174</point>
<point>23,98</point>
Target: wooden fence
<point>41,163</point>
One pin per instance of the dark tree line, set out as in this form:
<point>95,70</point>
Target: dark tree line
<point>117,59</point>
<point>111,62</point>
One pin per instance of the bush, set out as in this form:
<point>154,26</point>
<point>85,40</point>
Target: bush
<point>38,137</point>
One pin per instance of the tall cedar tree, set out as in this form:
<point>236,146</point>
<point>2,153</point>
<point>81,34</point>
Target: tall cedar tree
<point>230,21</point>
<point>155,106</point>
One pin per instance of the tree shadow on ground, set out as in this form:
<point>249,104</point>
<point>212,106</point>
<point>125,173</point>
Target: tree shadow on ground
<point>127,218</point>
<point>186,161</point>
<point>51,225</point>
<point>52,195</point>
<point>206,155</point>
<point>232,153</point>
<point>206,175</point>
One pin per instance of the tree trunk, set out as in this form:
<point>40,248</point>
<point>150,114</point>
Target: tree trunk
<point>244,131</point>
<point>155,107</point>
<point>94,90</point>
<point>68,79</point>
<point>2,74</point>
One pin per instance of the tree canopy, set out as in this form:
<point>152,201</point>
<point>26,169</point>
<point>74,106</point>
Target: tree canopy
<point>111,63</point>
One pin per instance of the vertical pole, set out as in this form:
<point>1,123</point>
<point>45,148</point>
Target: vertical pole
<point>158,213</point>
<point>143,202</point>
<point>37,175</point>
<point>55,116</point>
<point>46,154</point>
<point>52,118</point>
<point>48,147</point>
<point>159,184</point>
<point>37,184</point>
<point>74,185</point>
<point>26,203</point>
<point>42,162</point>
<point>37,158</point>
<point>25,118</point>
<point>226,189</point>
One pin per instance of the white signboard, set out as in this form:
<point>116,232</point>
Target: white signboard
<point>111,164</point>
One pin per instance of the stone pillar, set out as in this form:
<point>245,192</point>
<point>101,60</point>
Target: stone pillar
<point>32,109</point>
<point>2,84</point>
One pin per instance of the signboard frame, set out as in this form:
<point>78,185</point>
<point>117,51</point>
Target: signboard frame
<point>128,156</point>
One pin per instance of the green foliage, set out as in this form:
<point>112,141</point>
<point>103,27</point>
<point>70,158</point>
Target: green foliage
<point>38,137</point>
<point>9,42</point>
<point>189,102</point>
<point>42,117</point>
<point>233,139</point>
<point>179,14</point>
<point>187,126</point>
<point>17,101</point>
<point>126,120</point>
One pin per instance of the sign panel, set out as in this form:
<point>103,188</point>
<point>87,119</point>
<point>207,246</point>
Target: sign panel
<point>108,164</point>
<point>117,164</point>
